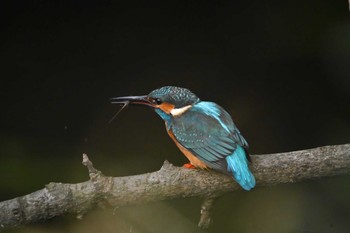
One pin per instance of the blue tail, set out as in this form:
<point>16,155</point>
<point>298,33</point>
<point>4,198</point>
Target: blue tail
<point>238,165</point>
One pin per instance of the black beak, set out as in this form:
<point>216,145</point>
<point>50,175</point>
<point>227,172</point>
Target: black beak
<point>126,100</point>
<point>142,100</point>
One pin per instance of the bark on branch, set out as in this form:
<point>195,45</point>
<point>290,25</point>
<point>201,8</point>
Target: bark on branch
<point>169,182</point>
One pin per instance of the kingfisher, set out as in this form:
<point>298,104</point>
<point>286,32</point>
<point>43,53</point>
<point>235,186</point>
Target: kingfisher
<point>202,130</point>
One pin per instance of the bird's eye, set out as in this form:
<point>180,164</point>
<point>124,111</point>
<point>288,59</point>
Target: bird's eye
<point>157,101</point>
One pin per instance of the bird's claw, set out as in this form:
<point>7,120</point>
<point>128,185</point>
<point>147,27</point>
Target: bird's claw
<point>189,166</point>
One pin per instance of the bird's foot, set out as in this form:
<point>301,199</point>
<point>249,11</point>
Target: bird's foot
<point>189,166</point>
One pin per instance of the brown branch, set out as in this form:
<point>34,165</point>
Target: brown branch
<point>169,182</point>
<point>205,220</point>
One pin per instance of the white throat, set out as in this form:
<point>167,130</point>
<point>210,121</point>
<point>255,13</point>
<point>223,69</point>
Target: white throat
<point>180,111</point>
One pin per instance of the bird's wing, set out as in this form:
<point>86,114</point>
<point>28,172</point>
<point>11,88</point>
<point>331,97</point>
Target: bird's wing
<point>208,134</point>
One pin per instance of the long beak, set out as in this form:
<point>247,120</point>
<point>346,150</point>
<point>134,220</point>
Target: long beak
<point>126,100</point>
<point>142,100</point>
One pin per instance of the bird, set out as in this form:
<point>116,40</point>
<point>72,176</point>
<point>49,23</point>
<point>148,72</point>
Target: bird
<point>202,130</point>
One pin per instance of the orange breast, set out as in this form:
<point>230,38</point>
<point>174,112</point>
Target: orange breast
<point>193,159</point>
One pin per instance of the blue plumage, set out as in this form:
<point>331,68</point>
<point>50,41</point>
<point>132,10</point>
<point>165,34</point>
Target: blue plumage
<point>208,131</point>
<point>237,163</point>
<point>202,130</point>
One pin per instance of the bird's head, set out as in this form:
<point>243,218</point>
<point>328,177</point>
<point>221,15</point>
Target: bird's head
<point>167,101</point>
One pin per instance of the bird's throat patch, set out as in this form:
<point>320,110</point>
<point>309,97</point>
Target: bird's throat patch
<point>180,111</point>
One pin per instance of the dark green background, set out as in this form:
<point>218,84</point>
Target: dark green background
<point>280,68</point>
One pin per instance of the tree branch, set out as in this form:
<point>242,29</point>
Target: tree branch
<point>169,182</point>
